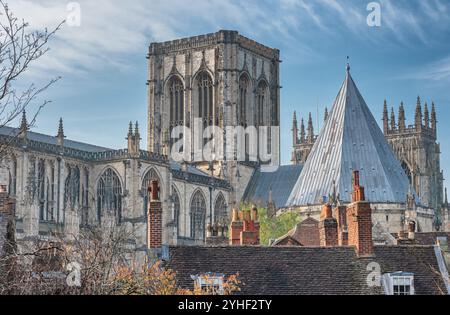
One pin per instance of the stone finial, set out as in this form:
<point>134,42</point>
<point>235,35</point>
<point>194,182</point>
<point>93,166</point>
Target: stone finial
<point>60,136</point>
<point>24,127</point>
<point>295,129</point>
<point>385,118</point>
<point>426,116</point>
<point>302,132</point>
<point>446,199</point>
<point>393,126</point>
<point>130,130</point>
<point>418,114</point>
<point>325,116</point>
<point>310,129</point>
<point>433,117</point>
<point>401,118</point>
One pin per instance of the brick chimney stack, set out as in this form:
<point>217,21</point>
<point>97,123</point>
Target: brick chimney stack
<point>359,220</point>
<point>154,217</point>
<point>244,227</point>
<point>328,227</point>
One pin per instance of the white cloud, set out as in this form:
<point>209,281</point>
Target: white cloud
<point>113,30</point>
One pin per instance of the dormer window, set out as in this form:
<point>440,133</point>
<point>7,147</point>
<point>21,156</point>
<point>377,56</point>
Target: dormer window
<point>399,283</point>
<point>209,283</point>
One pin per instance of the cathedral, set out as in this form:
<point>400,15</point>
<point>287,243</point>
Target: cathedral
<point>224,80</point>
<point>60,184</point>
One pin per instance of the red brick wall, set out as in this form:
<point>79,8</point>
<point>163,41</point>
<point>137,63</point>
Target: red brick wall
<point>307,233</point>
<point>359,220</point>
<point>154,226</point>
<point>328,232</point>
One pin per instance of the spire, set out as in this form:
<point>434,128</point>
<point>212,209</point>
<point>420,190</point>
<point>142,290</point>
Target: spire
<point>433,117</point>
<point>295,129</point>
<point>130,130</point>
<point>24,127</point>
<point>446,199</point>
<point>401,118</point>
<point>60,136</point>
<point>385,118</point>
<point>302,132</point>
<point>418,115</point>
<point>136,130</point>
<point>427,116</point>
<point>310,129</point>
<point>393,127</point>
<point>326,114</point>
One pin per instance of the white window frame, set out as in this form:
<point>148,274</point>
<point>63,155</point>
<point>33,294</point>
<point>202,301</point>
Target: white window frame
<point>208,280</point>
<point>391,280</point>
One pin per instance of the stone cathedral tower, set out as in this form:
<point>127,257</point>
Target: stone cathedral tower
<point>223,78</point>
<point>417,149</point>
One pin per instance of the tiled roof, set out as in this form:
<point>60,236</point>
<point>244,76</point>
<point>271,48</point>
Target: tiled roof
<point>281,182</point>
<point>39,137</point>
<point>307,270</point>
<point>306,233</point>
<point>350,140</point>
<point>424,238</point>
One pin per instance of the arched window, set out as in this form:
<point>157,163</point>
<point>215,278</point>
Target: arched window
<point>72,188</point>
<point>176,208</point>
<point>176,99</point>
<point>261,100</point>
<point>205,98</point>
<point>407,172</point>
<point>41,189</point>
<point>150,176</point>
<point>13,177</point>
<point>243,97</point>
<point>109,195</point>
<point>198,216</point>
<point>220,210</point>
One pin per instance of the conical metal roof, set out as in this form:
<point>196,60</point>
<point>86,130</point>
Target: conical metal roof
<point>350,140</point>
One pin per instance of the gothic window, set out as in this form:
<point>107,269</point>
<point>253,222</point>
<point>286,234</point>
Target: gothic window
<point>13,177</point>
<point>41,189</point>
<point>150,176</point>
<point>85,199</point>
<point>176,99</point>
<point>72,188</point>
<point>261,99</point>
<point>205,98</point>
<point>109,195</point>
<point>220,210</point>
<point>243,97</point>
<point>50,192</point>
<point>176,208</point>
<point>407,172</point>
<point>198,216</point>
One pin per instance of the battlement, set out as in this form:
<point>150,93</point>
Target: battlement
<point>211,39</point>
<point>423,123</point>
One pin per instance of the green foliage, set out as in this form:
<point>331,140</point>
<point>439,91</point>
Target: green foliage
<point>273,228</point>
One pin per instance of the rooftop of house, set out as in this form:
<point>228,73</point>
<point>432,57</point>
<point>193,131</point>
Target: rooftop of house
<point>423,238</point>
<point>306,233</point>
<point>308,270</point>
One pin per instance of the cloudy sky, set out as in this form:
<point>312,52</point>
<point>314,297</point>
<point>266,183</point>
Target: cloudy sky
<point>103,66</point>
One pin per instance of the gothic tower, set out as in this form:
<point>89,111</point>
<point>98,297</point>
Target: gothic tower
<point>223,79</point>
<point>417,149</point>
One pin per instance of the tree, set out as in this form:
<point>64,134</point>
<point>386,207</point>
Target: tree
<point>273,228</point>
<point>19,49</point>
<point>107,267</point>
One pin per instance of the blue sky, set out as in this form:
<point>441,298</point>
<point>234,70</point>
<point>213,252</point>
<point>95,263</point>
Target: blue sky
<point>104,70</point>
